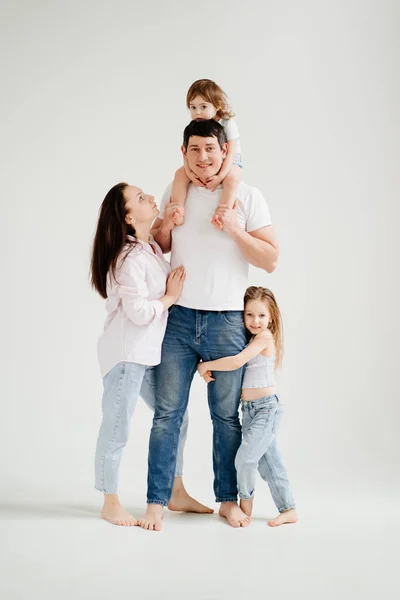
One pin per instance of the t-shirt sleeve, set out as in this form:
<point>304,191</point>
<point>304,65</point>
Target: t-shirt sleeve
<point>164,200</point>
<point>257,211</point>
<point>231,129</point>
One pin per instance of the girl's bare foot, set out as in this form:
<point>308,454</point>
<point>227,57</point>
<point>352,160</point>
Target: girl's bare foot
<point>234,515</point>
<point>181,501</point>
<point>247,506</point>
<point>152,518</point>
<point>115,513</point>
<point>289,516</point>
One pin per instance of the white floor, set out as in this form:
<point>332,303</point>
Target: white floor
<point>343,547</point>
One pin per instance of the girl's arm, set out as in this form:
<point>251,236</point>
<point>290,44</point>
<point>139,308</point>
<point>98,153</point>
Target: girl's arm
<point>231,363</point>
<point>229,158</point>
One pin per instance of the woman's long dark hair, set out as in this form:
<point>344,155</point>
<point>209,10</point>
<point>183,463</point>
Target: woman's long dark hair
<point>110,238</point>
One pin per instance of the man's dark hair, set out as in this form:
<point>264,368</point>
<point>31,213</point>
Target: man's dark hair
<point>204,129</point>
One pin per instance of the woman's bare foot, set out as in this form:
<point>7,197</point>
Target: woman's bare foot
<point>234,514</point>
<point>152,518</point>
<point>181,501</point>
<point>115,513</point>
<point>289,516</point>
<point>246,506</point>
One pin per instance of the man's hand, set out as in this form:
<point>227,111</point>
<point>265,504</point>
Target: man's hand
<point>174,214</point>
<point>213,182</point>
<point>226,218</point>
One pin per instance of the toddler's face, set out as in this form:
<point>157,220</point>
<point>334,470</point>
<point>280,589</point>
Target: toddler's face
<point>201,110</point>
<point>256,316</point>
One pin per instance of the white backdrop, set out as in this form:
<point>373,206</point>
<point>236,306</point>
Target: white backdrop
<point>93,94</point>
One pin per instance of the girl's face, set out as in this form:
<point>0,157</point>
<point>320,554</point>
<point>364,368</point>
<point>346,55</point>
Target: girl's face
<point>141,207</point>
<point>201,110</point>
<point>256,316</point>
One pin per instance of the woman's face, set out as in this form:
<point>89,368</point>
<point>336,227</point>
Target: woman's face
<point>140,207</point>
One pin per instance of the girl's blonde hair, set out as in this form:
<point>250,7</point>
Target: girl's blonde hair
<point>211,92</point>
<point>276,325</point>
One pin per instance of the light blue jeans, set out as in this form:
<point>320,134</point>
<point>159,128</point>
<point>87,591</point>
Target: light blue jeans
<point>122,387</point>
<point>259,450</point>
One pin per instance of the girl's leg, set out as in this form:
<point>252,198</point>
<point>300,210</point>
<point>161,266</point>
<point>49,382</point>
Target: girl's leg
<point>180,499</point>
<point>121,390</point>
<point>257,436</point>
<point>230,190</point>
<point>179,190</point>
<point>272,470</point>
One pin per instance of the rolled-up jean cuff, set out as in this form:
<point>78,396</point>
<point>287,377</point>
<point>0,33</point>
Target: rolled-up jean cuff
<point>246,497</point>
<point>103,491</point>
<point>160,502</point>
<point>226,499</point>
<point>285,508</point>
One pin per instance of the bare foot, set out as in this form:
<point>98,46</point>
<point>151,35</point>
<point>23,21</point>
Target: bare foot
<point>115,513</point>
<point>234,515</point>
<point>289,516</point>
<point>152,518</point>
<point>181,501</point>
<point>247,506</point>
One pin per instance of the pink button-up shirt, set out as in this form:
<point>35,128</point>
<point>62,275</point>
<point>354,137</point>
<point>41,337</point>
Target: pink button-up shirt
<point>136,319</point>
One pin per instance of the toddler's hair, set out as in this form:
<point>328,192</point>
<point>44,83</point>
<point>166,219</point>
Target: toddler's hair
<point>276,326</point>
<point>211,92</point>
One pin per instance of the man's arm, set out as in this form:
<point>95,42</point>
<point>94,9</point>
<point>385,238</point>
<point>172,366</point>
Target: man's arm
<point>259,247</point>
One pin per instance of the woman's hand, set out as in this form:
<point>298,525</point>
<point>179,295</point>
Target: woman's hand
<point>175,283</point>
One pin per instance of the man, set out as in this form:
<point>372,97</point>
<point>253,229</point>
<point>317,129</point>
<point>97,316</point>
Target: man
<point>207,321</point>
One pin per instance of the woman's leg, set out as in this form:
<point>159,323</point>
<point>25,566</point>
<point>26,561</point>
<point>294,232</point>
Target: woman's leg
<point>121,390</point>
<point>180,499</point>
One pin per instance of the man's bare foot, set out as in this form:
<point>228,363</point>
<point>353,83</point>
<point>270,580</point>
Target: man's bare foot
<point>247,506</point>
<point>289,516</point>
<point>234,514</point>
<point>181,501</point>
<point>115,513</point>
<point>152,518</point>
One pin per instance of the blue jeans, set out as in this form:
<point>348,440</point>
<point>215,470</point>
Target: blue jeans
<point>258,450</point>
<point>122,387</point>
<point>191,335</point>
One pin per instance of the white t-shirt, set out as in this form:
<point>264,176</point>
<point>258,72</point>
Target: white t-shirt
<point>216,270</point>
<point>231,132</point>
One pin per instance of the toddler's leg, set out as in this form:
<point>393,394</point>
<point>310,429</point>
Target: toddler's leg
<point>229,193</point>
<point>121,390</point>
<point>179,190</point>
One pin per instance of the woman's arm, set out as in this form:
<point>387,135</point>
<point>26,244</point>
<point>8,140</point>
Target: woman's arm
<point>134,293</point>
<point>231,363</point>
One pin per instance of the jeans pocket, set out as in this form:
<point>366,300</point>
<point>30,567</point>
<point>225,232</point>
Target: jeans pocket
<point>233,317</point>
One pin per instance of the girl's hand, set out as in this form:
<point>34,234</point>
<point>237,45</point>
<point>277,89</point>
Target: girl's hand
<point>195,180</point>
<point>213,182</point>
<point>207,377</point>
<point>175,283</point>
<point>202,368</point>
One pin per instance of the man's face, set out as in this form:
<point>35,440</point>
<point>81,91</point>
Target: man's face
<point>204,156</point>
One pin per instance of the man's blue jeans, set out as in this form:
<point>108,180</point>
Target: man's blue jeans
<point>193,335</point>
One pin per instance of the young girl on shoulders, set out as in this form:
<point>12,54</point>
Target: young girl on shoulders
<point>261,407</point>
<point>206,100</point>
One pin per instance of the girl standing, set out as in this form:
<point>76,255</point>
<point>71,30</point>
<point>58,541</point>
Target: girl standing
<point>261,407</point>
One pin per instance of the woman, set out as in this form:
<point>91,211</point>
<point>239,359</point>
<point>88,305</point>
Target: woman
<point>129,270</point>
